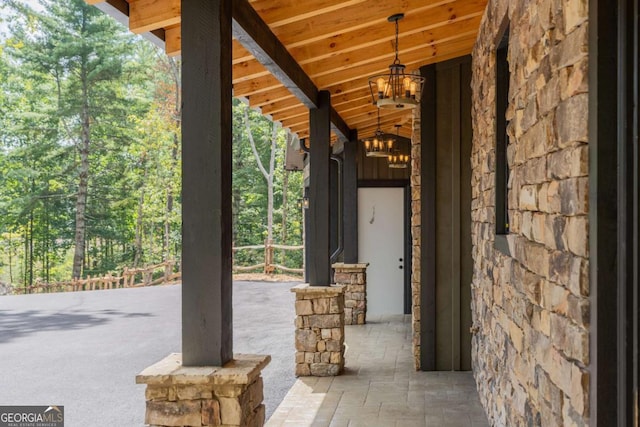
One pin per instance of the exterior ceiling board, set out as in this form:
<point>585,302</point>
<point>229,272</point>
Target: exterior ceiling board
<point>338,44</point>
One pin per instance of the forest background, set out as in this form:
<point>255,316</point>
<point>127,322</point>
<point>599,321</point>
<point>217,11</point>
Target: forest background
<point>90,149</point>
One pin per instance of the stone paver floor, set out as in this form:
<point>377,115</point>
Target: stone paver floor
<point>381,388</point>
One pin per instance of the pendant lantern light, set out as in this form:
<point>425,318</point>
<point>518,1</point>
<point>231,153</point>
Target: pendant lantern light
<point>378,146</point>
<point>396,90</point>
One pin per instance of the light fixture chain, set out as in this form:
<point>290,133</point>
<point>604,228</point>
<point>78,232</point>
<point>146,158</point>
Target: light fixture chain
<point>397,60</point>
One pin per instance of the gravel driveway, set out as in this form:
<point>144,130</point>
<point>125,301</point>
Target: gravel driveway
<point>83,349</point>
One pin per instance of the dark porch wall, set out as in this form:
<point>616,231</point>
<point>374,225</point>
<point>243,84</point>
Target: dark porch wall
<point>441,192</point>
<point>531,297</point>
<point>453,215</point>
<point>374,169</point>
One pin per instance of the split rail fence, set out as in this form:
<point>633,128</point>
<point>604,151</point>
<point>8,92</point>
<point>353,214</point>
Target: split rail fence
<point>151,275</point>
<point>157,274</point>
<point>268,266</point>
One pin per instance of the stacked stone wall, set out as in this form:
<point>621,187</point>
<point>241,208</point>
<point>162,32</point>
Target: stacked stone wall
<point>354,279</point>
<point>416,244</point>
<point>531,307</point>
<point>319,336</point>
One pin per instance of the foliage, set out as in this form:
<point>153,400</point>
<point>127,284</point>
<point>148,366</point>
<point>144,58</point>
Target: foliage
<point>80,97</point>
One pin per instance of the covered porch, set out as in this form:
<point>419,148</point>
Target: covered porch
<point>309,66</point>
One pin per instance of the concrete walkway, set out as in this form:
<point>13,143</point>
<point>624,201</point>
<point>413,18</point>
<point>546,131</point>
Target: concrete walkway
<point>381,388</point>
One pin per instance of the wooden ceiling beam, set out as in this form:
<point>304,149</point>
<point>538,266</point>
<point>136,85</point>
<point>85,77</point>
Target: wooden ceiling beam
<point>173,40</point>
<point>371,116</point>
<point>240,54</point>
<point>355,104</point>
<point>388,128</point>
<point>248,70</point>
<point>119,10</point>
<point>148,15</point>
<point>260,99</point>
<point>286,106</point>
<point>302,128</point>
<point>256,36</point>
<point>361,94</point>
<point>257,86</point>
<point>299,117</point>
<point>296,114</point>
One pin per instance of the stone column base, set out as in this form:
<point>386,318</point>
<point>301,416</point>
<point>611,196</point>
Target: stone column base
<point>354,278</point>
<point>319,330</point>
<point>205,395</point>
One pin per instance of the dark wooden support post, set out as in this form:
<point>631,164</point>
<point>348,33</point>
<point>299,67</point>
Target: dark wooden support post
<point>350,199</point>
<point>319,267</point>
<point>206,183</point>
<point>428,220</point>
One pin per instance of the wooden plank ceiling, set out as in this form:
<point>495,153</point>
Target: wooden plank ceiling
<point>337,43</point>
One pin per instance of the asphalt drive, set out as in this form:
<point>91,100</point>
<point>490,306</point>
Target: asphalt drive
<point>83,349</point>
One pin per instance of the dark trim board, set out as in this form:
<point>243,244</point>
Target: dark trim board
<point>445,216</point>
<point>613,217</point>
<point>369,183</point>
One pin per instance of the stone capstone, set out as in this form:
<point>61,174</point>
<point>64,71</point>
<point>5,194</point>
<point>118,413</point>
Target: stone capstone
<point>231,395</point>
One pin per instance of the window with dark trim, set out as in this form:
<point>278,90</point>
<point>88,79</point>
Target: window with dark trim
<point>502,139</point>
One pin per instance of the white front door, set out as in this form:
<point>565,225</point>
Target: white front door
<point>381,244</point>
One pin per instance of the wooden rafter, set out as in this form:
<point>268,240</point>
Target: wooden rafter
<point>256,36</point>
<point>286,50</point>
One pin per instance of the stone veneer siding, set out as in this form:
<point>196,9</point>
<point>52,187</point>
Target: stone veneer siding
<point>319,336</point>
<point>354,279</point>
<point>531,309</point>
<point>202,396</point>
<point>416,171</point>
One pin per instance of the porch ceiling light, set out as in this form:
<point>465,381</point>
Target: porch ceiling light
<point>396,89</point>
<point>378,146</point>
<point>398,160</point>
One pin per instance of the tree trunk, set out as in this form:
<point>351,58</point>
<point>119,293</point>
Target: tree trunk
<point>25,268</point>
<point>31,248</point>
<point>137,258</point>
<point>283,237</point>
<point>268,175</point>
<point>10,258</point>
<point>83,183</point>
<point>272,163</point>
<point>175,73</point>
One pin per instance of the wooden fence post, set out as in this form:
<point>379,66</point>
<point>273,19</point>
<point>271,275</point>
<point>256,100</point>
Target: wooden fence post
<point>268,256</point>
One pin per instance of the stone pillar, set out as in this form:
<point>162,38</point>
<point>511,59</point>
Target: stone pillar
<point>354,278</point>
<point>205,395</point>
<point>319,330</point>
